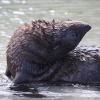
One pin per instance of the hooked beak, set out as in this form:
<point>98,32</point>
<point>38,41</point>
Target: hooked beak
<point>86,27</point>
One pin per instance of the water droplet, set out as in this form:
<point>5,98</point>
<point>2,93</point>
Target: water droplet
<point>52,12</point>
<point>5,1</point>
<point>65,13</point>
<point>30,8</point>
<point>18,12</point>
<point>23,1</point>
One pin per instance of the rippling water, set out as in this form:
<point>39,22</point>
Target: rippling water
<point>13,13</point>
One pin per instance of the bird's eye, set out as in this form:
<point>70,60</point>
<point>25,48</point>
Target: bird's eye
<point>73,34</point>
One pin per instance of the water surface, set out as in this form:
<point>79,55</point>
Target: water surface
<point>13,13</point>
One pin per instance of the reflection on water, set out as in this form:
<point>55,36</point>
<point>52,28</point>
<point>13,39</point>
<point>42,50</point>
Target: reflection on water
<point>13,13</point>
<point>51,91</point>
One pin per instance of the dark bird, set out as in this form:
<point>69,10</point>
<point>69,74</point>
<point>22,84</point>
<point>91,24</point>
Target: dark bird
<point>41,51</point>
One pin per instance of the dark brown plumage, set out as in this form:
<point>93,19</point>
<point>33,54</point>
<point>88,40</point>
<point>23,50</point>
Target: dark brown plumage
<point>81,65</point>
<point>36,49</point>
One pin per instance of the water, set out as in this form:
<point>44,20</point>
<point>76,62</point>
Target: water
<point>13,13</point>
